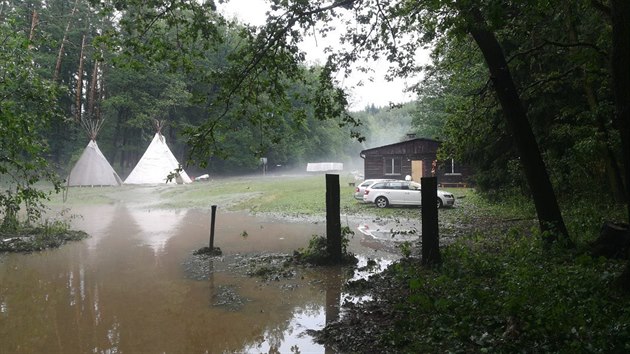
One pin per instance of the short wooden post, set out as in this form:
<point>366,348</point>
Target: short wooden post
<point>333,218</point>
<point>212,220</point>
<point>430,230</point>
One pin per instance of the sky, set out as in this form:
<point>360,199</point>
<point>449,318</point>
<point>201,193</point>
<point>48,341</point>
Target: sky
<point>375,90</point>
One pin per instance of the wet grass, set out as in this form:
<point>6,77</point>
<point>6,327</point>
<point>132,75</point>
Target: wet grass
<point>303,195</point>
<point>27,238</point>
<point>294,197</point>
<point>98,195</point>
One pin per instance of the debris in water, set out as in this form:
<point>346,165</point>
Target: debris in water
<point>228,297</point>
<point>215,251</point>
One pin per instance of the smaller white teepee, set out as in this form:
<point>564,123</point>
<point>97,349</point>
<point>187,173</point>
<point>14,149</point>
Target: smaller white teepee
<point>157,163</point>
<point>93,169</point>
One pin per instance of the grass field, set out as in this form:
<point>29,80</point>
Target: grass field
<point>300,197</point>
<point>296,195</point>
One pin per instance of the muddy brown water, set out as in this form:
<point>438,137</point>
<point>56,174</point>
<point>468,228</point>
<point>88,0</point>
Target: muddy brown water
<point>126,290</point>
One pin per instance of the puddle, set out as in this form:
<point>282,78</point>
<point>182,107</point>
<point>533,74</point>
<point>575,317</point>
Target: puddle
<point>126,289</point>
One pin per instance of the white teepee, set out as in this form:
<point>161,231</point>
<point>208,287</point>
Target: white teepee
<point>93,169</point>
<point>156,164</point>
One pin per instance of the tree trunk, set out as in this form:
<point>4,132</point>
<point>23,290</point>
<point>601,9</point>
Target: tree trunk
<point>613,241</point>
<point>613,171</point>
<point>79,93</point>
<point>549,215</point>
<point>620,14</point>
<point>620,11</point>
<point>63,41</point>
<point>92,93</point>
<point>31,35</point>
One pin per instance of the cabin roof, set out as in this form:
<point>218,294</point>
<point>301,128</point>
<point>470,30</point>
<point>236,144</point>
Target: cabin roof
<point>398,144</point>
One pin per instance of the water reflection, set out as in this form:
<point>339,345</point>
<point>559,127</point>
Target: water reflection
<point>323,308</point>
<point>157,226</point>
<point>124,289</point>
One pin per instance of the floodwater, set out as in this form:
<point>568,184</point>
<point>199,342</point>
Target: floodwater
<point>126,290</point>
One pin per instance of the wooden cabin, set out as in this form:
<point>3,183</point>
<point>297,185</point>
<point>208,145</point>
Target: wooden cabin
<point>416,157</point>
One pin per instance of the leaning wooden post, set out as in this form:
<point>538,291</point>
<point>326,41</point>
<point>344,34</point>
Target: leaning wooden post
<point>212,219</point>
<point>333,218</point>
<point>430,232</point>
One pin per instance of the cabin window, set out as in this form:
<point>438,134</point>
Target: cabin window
<point>451,170</point>
<point>392,165</point>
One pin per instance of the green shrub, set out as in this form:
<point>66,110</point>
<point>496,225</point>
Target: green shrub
<point>508,294</point>
<point>26,238</point>
<point>316,252</point>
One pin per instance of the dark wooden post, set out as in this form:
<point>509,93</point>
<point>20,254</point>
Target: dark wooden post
<point>430,231</point>
<point>212,219</point>
<point>333,218</point>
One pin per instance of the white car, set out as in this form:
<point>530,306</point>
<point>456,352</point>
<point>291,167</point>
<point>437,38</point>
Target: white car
<point>386,193</point>
<point>360,190</point>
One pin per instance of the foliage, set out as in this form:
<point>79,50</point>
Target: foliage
<point>504,293</point>
<point>405,249</point>
<point>27,106</point>
<point>252,95</point>
<point>241,93</point>
<point>585,217</point>
<point>27,238</point>
<point>561,73</point>
<point>182,65</point>
<point>316,252</point>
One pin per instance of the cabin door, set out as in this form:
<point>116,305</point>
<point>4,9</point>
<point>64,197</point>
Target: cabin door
<point>416,170</point>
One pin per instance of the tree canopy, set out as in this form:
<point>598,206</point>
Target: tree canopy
<point>524,92</point>
<point>27,106</point>
<point>127,64</point>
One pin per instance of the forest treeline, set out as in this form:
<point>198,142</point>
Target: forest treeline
<point>560,57</point>
<point>230,94</point>
<point>128,91</point>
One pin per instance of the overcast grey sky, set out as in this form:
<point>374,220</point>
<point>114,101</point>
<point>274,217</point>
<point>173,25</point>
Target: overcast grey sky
<point>379,91</point>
